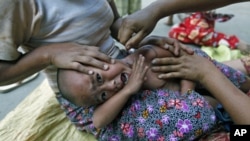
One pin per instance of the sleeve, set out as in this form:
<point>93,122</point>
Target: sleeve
<point>15,25</point>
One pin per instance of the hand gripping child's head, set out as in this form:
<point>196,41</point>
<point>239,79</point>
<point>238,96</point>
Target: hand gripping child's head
<point>87,90</point>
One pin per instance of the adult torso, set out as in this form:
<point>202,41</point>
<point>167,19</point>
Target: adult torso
<point>82,21</point>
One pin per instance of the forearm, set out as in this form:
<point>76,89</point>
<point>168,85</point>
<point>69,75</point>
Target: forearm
<point>32,62</point>
<point>109,110</point>
<point>163,8</point>
<point>233,100</point>
<point>115,27</point>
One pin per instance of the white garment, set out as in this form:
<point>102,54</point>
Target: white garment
<point>35,23</point>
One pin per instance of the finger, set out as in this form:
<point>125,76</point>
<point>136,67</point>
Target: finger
<point>187,49</point>
<point>174,46</point>
<point>170,41</point>
<point>166,61</point>
<point>125,34</point>
<point>170,75</point>
<point>154,40</point>
<point>180,49</point>
<point>170,68</point>
<point>81,68</point>
<point>88,60</point>
<point>134,40</point>
<point>103,57</point>
<point>177,48</point>
<point>97,54</point>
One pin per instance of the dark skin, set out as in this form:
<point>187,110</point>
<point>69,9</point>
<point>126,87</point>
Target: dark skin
<point>138,25</point>
<point>81,83</point>
<point>191,67</point>
<point>62,55</point>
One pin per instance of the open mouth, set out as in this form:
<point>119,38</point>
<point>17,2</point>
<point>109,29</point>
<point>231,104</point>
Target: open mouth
<point>124,78</point>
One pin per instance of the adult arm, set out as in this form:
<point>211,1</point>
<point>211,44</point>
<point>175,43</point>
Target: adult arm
<point>117,20</point>
<point>138,25</point>
<point>17,26</point>
<point>191,67</point>
<point>233,99</point>
<point>65,55</point>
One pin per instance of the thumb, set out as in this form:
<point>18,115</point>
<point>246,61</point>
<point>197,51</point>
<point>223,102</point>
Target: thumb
<point>135,40</point>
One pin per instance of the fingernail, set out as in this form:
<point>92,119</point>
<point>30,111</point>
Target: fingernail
<point>160,76</point>
<point>166,46</point>
<point>105,67</point>
<point>90,72</point>
<point>154,61</point>
<point>128,47</point>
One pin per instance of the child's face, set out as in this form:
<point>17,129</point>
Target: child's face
<point>97,88</point>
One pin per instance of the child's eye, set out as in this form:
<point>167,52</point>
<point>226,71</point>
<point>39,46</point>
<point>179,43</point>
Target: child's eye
<point>99,78</point>
<point>104,96</point>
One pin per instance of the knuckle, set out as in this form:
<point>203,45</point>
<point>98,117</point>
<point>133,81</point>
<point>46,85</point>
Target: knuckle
<point>88,59</point>
<point>76,66</point>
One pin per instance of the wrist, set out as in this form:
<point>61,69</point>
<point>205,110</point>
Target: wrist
<point>45,54</point>
<point>206,78</point>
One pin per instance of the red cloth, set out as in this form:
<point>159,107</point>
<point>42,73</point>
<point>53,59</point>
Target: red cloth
<point>198,29</point>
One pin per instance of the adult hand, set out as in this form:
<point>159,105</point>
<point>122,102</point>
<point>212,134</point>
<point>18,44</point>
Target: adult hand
<point>171,44</point>
<point>75,56</point>
<point>190,67</point>
<point>135,27</point>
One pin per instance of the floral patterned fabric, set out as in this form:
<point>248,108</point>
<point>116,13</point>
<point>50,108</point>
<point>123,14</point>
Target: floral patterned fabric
<point>159,114</point>
<point>162,115</point>
<point>198,29</point>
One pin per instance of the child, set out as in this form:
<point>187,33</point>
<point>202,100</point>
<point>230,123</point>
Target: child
<point>158,112</point>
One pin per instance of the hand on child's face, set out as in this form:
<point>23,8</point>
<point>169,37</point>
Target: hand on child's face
<point>104,84</point>
<point>76,57</point>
